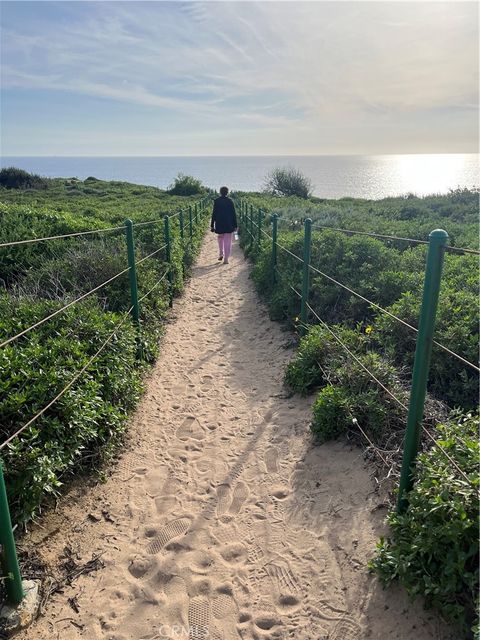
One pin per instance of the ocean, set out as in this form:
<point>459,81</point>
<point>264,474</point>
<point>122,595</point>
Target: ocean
<point>371,177</point>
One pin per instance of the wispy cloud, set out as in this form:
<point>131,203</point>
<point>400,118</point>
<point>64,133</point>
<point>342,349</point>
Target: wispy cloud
<point>303,72</point>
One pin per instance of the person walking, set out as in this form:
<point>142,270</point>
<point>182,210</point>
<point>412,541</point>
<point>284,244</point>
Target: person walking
<point>224,223</point>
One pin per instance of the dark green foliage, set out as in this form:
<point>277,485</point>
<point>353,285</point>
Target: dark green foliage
<point>456,212</point>
<point>331,417</point>
<point>391,278</point>
<point>353,398</point>
<point>317,355</point>
<point>13,178</point>
<point>185,186</point>
<point>286,181</point>
<point>82,428</point>
<point>87,420</point>
<point>456,328</point>
<point>433,547</point>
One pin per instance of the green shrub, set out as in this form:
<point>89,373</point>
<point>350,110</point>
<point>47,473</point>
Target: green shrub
<point>354,398</point>
<point>433,546</point>
<point>391,278</point>
<point>83,424</point>
<point>82,427</point>
<point>14,178</point>
<point>317,355</point>
<point>331,413</point>
<point>185,186</point>
<point>456,328</point>
<point>286,181</point>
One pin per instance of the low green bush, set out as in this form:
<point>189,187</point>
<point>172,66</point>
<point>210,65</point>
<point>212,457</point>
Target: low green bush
<point>318,354</point>
<point>353,402</point>
<point>392,279</point>
<point>83,427</point>
<point>331,413</point>
<point>433,546</point>
<point>87,421</point>
<point>14,178</point>
<point>184,185</point>
<point>287,181</point>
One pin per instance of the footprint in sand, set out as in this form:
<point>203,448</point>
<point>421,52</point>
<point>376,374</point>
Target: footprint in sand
<point>166,504</point>
<point>326,611</point>
<point>226,614</point>
<point>207,381</point>
<point>199,618</point>
<point>176,592</point>
<point>223,499</point>
<point>216,634</point>
<point>266,621</point>
<point>190,428</point>
<point>223,605</point>
<point>346,629</point>
<point>281,575</point>
<point>234,554</point>
<point>240,494</point>
<point>271,460</point>
<point>172,530</point>
<point>130,466</point>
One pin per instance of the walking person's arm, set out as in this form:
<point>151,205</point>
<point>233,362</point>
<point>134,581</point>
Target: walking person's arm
<point>212,221</point>
<point>234,213</point>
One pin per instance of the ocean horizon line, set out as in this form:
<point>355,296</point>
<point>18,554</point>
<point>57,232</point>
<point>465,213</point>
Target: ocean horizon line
<point>270,155</point>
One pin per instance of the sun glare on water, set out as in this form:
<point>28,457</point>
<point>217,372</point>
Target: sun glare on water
<point>430,173</point>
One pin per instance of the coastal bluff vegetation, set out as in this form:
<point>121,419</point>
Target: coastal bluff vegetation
<point>432,548</point>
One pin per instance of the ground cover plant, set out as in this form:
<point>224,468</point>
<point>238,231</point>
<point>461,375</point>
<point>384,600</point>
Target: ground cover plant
<point>83,428</point>
<point>433,547</point>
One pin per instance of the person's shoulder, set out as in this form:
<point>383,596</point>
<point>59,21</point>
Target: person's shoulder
<point>218,199</point>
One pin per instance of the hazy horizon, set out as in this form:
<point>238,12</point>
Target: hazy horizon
<point>115,79</point>
<point>237,155</point>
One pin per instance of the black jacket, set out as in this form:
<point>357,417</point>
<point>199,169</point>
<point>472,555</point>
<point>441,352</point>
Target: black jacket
<point>224,218</point>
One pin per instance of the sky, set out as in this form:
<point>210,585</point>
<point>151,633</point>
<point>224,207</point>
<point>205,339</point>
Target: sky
<point>238,78</point>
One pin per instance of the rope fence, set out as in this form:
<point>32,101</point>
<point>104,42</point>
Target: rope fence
<point>437,246</point>
<point>196,214</point>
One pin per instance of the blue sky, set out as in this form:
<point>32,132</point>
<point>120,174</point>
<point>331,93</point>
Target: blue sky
<point>228,78</point>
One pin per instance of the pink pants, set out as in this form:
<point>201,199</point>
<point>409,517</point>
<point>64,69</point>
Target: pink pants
<point>224,244</point>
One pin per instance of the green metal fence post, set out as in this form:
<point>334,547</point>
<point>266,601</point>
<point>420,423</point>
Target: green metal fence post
<point>307,242</point>
<point>190,221</point>
<point>196,213</point>
<point>180,220</point>
<point>133,271</point>
<point>259,229</point>
<point>252,236</point>
<point>9,560</point>
<point>274,247</point>
<point>431,288</point>
<point>132,274</point>
<point>166,221</point>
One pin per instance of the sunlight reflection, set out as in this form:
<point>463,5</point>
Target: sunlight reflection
<point>428,173</point>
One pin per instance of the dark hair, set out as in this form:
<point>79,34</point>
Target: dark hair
<point>223,191</point>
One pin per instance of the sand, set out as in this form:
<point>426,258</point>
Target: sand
<point>221,519</point>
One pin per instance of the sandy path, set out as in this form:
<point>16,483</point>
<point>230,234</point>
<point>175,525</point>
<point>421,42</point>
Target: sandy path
<point>222,517</point>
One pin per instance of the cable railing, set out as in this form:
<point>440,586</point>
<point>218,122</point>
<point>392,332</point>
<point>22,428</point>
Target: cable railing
<point>437,245</point>
<point>466,362</point>
<point>392,315</point>
<point>16,243</point>
<point>192,210</point>
<point>382,236</point>
<point>188,234</point>
<point>351,232</point>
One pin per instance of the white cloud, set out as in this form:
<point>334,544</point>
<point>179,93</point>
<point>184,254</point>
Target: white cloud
<point>305,66</point>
